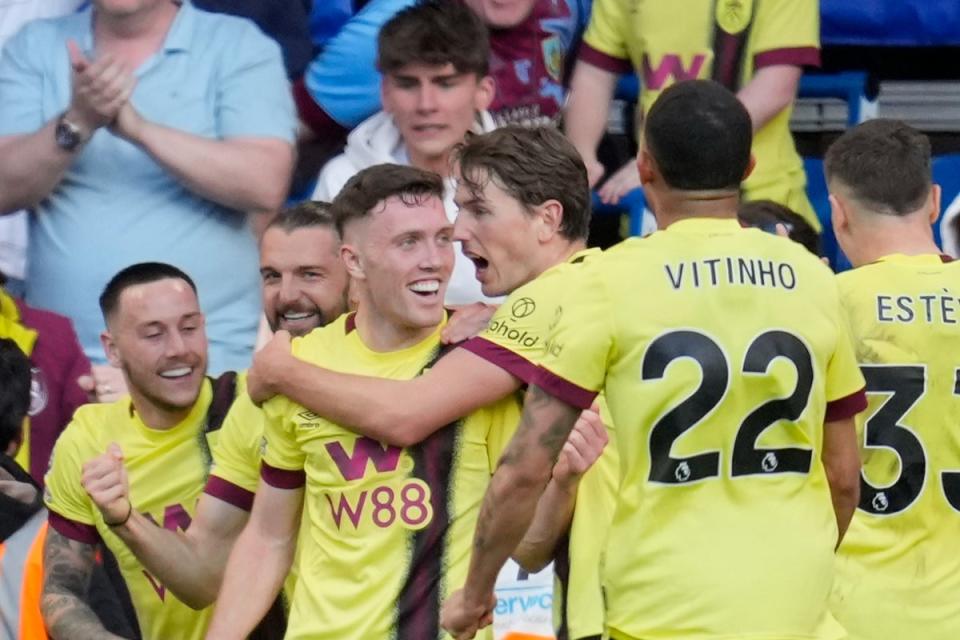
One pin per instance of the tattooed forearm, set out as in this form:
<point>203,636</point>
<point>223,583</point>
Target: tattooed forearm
<point>522,473</point>
<point>67,567</point>
<point>544,426</point>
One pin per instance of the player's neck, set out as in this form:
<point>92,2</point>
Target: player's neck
<point>154,416</point>
<point>382,334</point>
<point>892,237</point>
<point>675,205</point>
<point>557,252</point>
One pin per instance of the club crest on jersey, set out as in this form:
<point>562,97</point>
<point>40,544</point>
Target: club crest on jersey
<point>553,57</point>
<point>733,16</point>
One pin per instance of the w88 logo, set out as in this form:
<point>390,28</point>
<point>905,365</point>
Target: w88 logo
<point>407,505</point>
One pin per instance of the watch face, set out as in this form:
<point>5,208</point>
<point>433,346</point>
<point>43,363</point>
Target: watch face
<point>67,137</point>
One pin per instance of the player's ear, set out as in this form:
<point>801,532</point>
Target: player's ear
<point>110,349</point>
<point>935,194</point>
<point>646,166</point>
<point>751,165</point>
<point>839,215</point>
<point>351,258</point>
<point>550,216</point>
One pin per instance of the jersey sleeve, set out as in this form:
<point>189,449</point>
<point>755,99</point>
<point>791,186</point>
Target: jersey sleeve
<point>604,44</point>
<point>283,459</point>
<point>786,32</point>
<point>514,338</point>
<point>236,456</point>
<point>846,387</point>
<point>71,509</point>
<point>580,344</point>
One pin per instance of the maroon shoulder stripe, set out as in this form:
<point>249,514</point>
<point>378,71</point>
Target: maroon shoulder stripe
<point>282,478</point>
<point>510,361</point>
<point>847,406</point>
<point>603,60</point>
<point>797,56</point>
<point>563,389</point>
<point>79,531</point>
<point>229,493</point>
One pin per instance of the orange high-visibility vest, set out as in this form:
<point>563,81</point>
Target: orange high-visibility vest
<point>21,580</point>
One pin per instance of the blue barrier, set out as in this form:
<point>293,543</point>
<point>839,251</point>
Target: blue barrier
<point>886,23</point>
<point>946,173</point>
<point>632,203</point>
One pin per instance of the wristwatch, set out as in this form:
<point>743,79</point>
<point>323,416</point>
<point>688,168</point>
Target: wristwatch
<point>68,135</point>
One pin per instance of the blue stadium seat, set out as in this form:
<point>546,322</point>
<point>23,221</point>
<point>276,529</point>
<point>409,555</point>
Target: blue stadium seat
<point>820,199</point>
<point>633,204</point>
<point>853,87</point>
<point>946,173</point>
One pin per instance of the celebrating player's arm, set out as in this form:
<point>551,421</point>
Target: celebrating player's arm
<point>67,568</point>
<point>259,562</point>
<point>555,508</point>
<point>841,461</point>
<point>509,506</point>
<point>190,563</point>
<point>264,551</point>
<point>400,413</point>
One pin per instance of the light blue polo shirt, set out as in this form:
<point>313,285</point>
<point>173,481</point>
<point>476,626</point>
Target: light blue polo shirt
<point>217,76</point>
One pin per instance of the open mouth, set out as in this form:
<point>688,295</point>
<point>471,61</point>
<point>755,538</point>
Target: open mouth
<point>426,289</point>
<point>479,263</point>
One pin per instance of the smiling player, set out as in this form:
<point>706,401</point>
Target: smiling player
<point>387,528</point>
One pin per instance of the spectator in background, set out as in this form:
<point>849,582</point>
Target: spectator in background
<point>530,41</point>
<point>434,57</point>
<point>287,22</point>
<point>756,50</point>
<point>13,228</point>
<point>57,364</point>
<point>155,137</point>
<point>767,215</point>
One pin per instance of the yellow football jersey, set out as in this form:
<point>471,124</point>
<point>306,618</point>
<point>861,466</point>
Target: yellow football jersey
<point>578,607</point>
<point>645,36</point>
<point>236,458</point>
<point>389,529</point>
<point>898,571</point>
<point>515,341</point>
<point>722,351</point>
<point>166,470</point>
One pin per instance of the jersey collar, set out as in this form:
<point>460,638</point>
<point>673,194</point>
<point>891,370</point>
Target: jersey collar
<point>919,260</point>
<point>705,225</point>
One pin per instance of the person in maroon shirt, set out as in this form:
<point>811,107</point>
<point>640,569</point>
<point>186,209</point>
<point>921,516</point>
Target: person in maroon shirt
<point>57,364</point>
